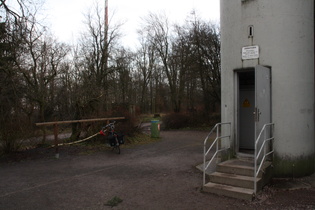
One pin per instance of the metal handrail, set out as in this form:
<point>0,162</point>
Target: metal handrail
<point>215,142</point>
<point>259,150</point>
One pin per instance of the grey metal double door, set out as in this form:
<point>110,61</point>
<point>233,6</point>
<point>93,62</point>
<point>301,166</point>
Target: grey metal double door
<point>254,107</point>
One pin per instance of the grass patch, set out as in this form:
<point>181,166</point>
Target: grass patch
<point>114,202</point>
<point>87,148</point>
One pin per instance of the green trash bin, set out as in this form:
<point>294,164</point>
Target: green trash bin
<point>155,129</point>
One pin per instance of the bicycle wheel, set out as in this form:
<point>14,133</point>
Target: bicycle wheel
<point>116,149</point>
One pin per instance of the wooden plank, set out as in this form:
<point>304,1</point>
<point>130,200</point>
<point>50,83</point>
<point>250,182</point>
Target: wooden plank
<point>56,140</point>
<point>79,121</point>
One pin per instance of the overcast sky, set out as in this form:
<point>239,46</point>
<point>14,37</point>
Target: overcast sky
<point>66,17</point>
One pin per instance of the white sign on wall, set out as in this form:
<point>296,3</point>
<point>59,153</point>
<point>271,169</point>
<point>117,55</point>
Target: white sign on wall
<point>250,52</point>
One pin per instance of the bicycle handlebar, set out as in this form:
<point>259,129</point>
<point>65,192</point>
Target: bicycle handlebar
<point>111,125</point>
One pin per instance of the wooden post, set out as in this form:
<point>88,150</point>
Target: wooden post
<point>56,123</point>
<point>56,140</point>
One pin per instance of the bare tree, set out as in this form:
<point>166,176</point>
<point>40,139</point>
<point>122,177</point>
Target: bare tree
<point>30,63</point>
<point>145,65</point>
<point>96,48</point>
<point>16,15</point>
<point>205,41</point>
<point>10,91</point>
<point>159,35</point>
<point>94,63</point>
<point>121,79</point>
<point>38,63</point>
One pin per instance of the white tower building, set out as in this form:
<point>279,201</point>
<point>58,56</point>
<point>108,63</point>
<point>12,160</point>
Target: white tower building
<point>267,68</point>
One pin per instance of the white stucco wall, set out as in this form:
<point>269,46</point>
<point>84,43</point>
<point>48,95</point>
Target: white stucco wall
<point>284,32</point>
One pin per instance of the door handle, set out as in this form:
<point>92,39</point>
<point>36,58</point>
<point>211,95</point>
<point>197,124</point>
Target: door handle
<point>256,114</point>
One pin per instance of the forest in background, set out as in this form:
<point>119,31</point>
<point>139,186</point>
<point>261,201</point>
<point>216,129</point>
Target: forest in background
<point>174,69</point>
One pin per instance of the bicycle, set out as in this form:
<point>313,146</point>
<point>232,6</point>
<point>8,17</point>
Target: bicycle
<point>115,139</point>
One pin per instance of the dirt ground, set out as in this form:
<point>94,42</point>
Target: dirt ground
<point>159,175</point>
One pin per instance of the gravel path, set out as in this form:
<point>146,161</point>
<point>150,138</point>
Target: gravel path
<point>159,175</point>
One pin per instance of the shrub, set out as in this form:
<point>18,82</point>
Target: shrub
<point>12,133</point>
<point>180,120</point>
<point>175,121</point>
<point>128,126</point>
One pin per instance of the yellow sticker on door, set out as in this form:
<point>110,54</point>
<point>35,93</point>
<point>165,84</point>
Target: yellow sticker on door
<point>246,103</point>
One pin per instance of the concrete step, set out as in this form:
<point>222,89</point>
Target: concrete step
<point>245,156</point>
<point>234,180</point>
<point>235,166</point>
<point>241,167</point>
<point>230,191</point>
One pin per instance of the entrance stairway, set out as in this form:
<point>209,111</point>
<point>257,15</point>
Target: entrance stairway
<point>235,178</point>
